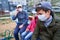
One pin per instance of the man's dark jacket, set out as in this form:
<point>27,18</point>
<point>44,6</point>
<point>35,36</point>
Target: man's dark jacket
<point>52,32</point>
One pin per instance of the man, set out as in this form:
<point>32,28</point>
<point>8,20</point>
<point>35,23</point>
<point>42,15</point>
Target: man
<point>22,21</point>
<point>46,28</point>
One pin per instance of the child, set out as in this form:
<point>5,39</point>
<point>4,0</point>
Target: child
<point>29,30</point>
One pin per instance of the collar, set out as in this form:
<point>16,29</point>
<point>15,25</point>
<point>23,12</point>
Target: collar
<point>48,21</point>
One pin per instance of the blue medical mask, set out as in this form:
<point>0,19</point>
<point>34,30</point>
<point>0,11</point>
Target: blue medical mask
<point>42,17</point>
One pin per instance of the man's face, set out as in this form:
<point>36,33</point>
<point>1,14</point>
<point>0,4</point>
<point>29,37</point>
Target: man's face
<point>42,12</point>
<point>19,8</point>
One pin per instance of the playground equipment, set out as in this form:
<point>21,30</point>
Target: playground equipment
<point>7,35</point>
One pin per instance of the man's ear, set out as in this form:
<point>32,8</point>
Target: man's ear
<point>48,12</point>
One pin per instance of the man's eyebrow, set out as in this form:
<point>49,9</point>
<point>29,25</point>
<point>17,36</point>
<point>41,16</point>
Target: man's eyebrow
<point>39,13</point>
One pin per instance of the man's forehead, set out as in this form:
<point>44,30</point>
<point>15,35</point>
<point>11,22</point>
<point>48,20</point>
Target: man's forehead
<point>40,11</point>
<point>19,7</point>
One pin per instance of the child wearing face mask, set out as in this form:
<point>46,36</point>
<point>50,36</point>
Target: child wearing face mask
<point>26,35</point>
<point>30,19</point>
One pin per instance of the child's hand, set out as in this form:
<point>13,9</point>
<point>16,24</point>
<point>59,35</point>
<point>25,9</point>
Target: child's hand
<point>27,30</point>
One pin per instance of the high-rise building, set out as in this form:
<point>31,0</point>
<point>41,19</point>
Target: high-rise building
<point>4,4</point>
<point>23,2</point>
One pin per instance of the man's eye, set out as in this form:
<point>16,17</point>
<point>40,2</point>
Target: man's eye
<point>40,13</point>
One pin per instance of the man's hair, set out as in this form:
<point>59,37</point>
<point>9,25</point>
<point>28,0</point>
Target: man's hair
<point>41,8</point>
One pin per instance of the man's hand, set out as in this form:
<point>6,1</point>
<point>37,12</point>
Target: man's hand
<point>21,26</point>
<point>16,12</point>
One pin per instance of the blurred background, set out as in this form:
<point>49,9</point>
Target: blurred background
<point>7,6</point>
